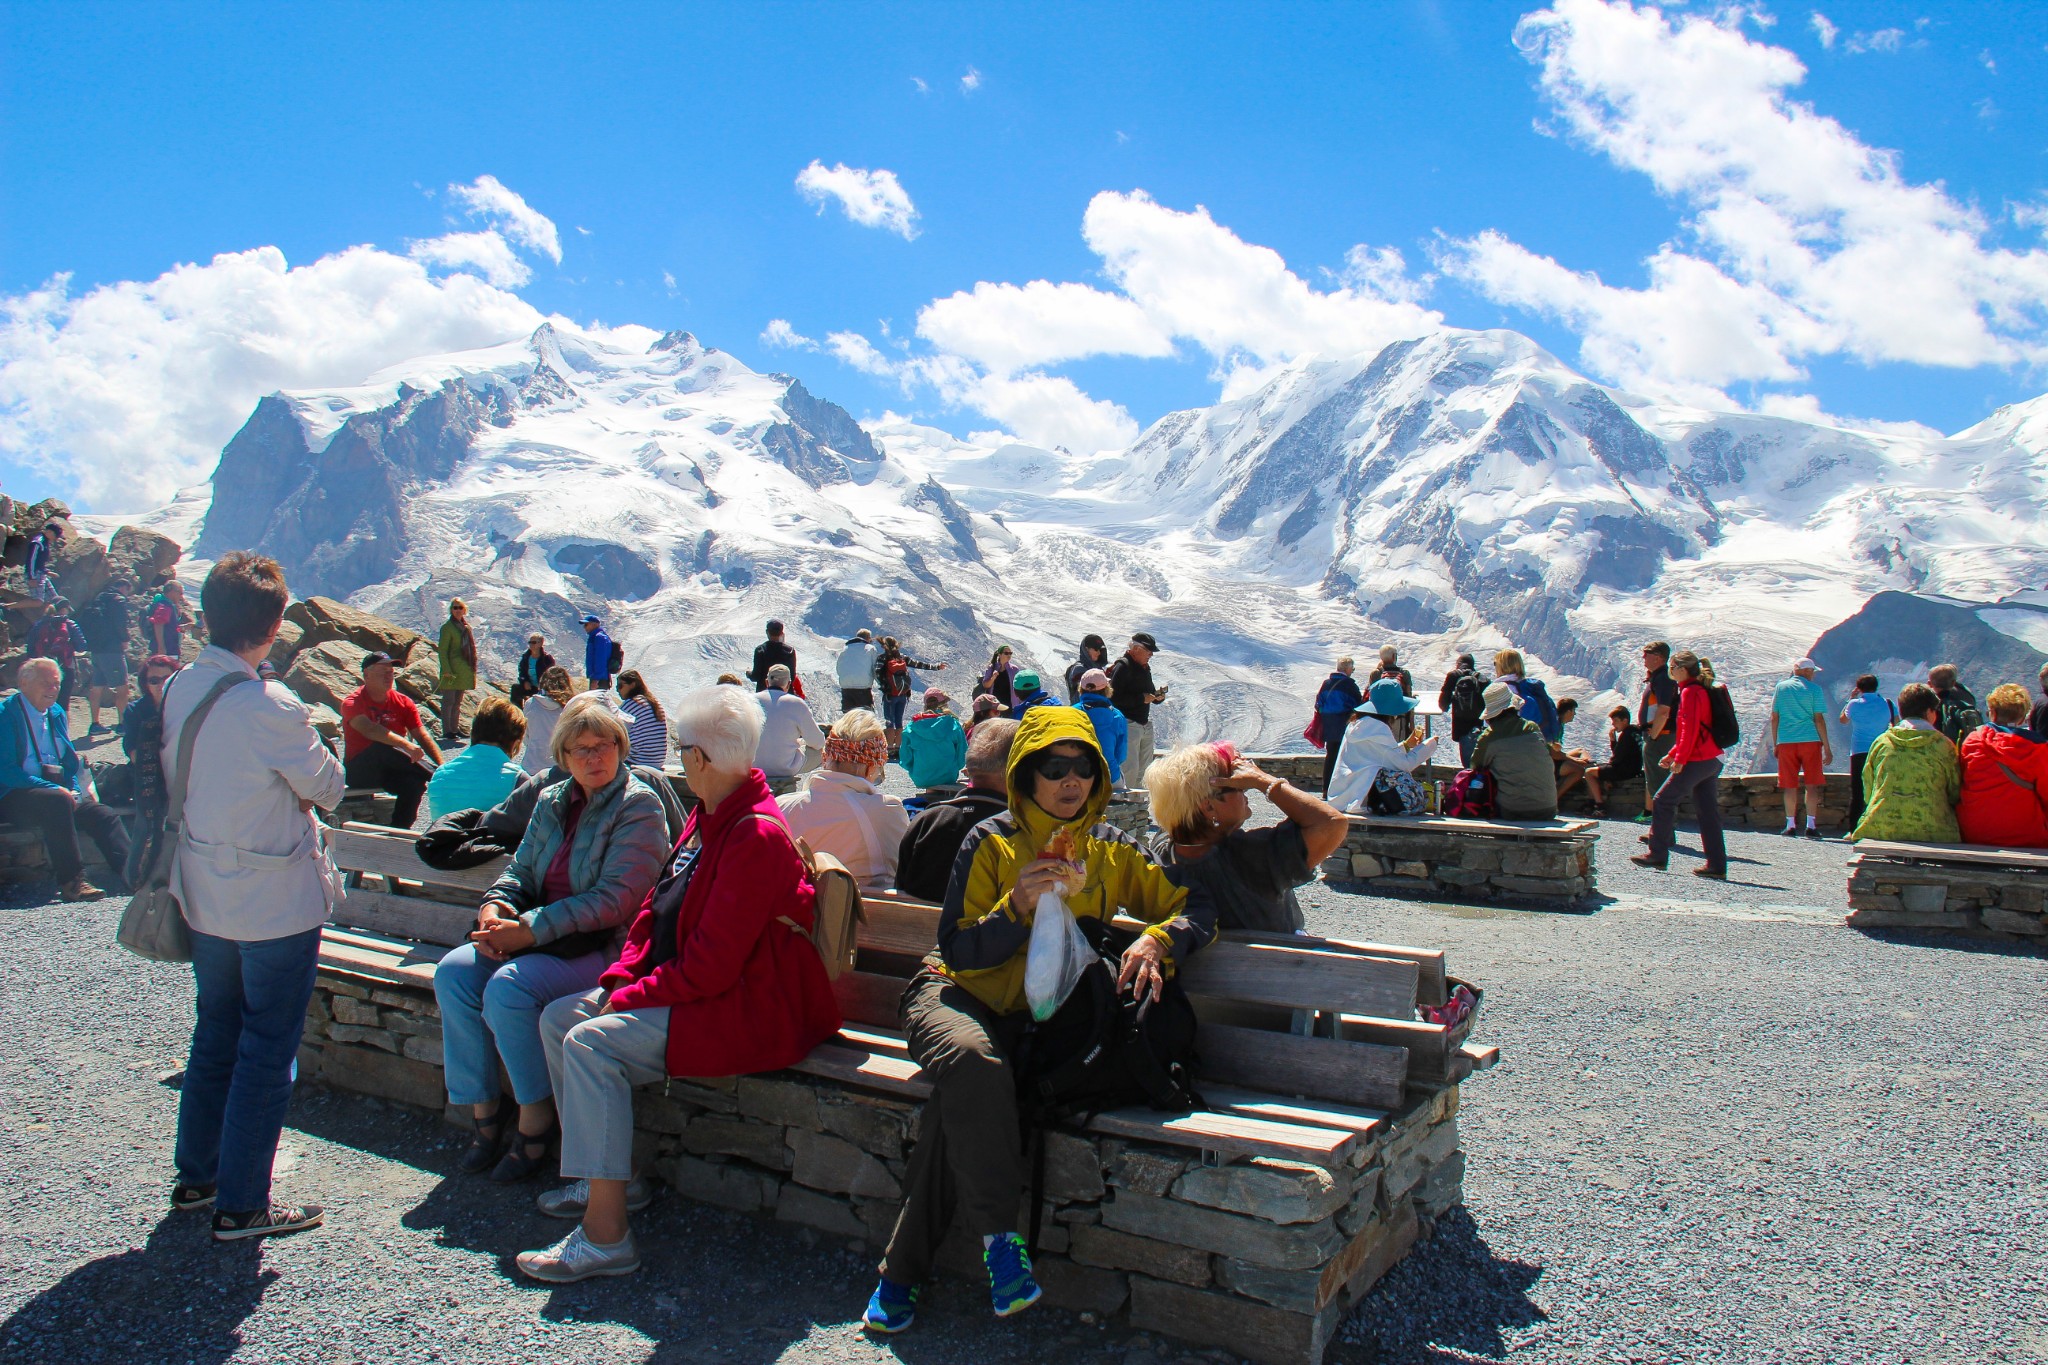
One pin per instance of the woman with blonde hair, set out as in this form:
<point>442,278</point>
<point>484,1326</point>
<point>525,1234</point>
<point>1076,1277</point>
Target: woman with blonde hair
<point>1201,800</point>
<point>547,928</point>
<point>543,714</point>
<point>842,809</point>
<point>457,651</point>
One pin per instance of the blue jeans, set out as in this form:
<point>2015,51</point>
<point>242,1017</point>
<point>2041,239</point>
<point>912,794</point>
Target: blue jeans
<point>251,1010</point>
<point>892,711</point>
<point>491,1010</point>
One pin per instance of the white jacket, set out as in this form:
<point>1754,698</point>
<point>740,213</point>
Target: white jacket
<point>1368,747</point>
<point>857,664</point>
<point>252,866</point>
<point>787,732</point>
<point>849,818</point>
<point>543,713</point>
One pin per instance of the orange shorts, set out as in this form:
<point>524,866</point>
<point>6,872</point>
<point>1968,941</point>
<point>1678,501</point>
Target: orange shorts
<point>1794,759</point>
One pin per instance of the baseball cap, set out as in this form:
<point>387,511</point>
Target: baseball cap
<point>1141,638</point>
<point>375,657</point>
<point>936,696</point>
<point>1026,679</point>
<point>1094,680</point>
<point>590,620</point>
<point>1806,663</point>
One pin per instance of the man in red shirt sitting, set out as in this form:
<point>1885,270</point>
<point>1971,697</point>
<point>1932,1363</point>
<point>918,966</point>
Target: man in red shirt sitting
<point>385,744</point>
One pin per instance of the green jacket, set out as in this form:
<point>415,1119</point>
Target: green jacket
<point>1524,778</point>
<point>458,670</point>
<point>1911,782</point>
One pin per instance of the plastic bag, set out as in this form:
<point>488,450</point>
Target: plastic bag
<point>1059,953</point>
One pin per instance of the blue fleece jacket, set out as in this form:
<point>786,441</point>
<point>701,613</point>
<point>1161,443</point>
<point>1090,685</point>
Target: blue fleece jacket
<point>1112,731</point>
<point>51,739</point>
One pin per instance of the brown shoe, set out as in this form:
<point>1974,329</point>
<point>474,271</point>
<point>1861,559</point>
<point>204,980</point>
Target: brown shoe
<point>81,890</point>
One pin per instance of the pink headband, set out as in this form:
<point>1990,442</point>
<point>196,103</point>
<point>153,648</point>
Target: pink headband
<point>865,753</point>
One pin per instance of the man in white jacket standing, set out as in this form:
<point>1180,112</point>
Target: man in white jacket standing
<point>857,672</point>
<point>256,884</point>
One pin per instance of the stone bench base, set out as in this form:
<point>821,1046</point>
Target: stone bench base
<point>1466,860</point>
<point>1987,893</point>
<point>24,859</point>
<point>1259,1256</point>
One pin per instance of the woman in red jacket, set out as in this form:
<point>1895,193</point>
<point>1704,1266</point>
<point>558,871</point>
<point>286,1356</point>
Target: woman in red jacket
<point>2004,767</point>
<point>1694,768</point>
<point>718,978</point>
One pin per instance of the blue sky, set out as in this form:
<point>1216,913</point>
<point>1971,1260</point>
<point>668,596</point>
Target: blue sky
<point>662,146</point>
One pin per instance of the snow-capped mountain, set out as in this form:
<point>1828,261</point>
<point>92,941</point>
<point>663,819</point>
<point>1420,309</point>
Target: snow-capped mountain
<point>1462,491</point>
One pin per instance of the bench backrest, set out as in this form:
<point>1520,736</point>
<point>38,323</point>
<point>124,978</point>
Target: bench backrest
<point>415,901</point>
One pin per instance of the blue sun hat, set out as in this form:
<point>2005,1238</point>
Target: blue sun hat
<point>1387,699</point>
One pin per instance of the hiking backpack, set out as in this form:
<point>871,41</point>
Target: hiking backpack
<point>1958,718</point>
<point>836,913</point>
<point>1722,725</point>
<point>1546,709</point>
<point>50,638</point>
<point>1472,796</point>
<point>616,662</point>
<point>1468,702</point>
<point>896,677</point>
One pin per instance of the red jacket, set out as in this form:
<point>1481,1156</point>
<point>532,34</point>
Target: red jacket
<point>2002,800</point>
<point>744,992</point>
<point>1693,735</point>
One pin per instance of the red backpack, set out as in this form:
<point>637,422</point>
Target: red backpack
<point>1471,796</point>
<point>896,677</point>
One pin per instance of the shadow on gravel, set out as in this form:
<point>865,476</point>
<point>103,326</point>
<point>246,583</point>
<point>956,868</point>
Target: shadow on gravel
<point>1954,943</point>
<point>1451,1299</point>
<point>177,1296</point>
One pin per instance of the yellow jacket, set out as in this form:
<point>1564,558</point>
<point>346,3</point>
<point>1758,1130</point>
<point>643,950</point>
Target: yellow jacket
<point>984,938</point>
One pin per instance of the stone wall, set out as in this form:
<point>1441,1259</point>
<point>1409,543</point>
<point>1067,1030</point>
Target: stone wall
<point>1427,858</point>
<point>1982,900</point>
<point>1261,1257</point>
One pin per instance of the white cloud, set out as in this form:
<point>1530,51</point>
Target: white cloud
<point>1805,241</point>
<point>1051,410</point>
<point>970,82</point>
<point>1005,328</point>
<point>128,391</point>
<point>1823,28</point>
<point>919,84</point>
<point>1989,62</point>
<point>853,349</point>
<point>668,280</point>
<point>486,252</point>
<point>870,198</point>
<point>488,199</point>
<point>1883,40</point>
<point>781,336</point>
<point>1987,109</point>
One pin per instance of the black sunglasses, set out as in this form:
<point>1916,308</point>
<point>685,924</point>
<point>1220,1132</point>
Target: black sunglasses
<point>1059,767</point>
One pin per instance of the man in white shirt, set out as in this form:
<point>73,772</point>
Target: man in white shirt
<point>857,672</point>
<point>791,742</point>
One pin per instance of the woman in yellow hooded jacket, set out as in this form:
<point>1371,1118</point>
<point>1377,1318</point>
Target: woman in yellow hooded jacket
<point>964,1012</point>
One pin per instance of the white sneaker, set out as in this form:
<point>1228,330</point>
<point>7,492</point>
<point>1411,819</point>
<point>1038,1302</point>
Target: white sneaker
<point>576,1257</point>
<point>573,1199</point>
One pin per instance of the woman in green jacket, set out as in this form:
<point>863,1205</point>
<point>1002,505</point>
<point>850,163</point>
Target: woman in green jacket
<point>458,667</point>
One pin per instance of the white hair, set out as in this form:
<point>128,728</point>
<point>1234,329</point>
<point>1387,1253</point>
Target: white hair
<point>41,664</point>
<point>725,722</point>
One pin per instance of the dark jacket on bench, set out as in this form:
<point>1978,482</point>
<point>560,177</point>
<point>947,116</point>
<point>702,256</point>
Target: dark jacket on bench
<point>930,847</point>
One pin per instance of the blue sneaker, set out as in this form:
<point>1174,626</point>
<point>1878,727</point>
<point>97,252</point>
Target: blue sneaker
<point>1010,1286</point>
<point>892,1308</point>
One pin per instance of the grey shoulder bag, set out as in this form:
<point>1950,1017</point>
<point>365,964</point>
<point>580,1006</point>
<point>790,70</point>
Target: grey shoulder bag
<point>153,925</point>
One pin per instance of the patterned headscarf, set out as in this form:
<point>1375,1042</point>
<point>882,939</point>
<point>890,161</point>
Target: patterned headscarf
<point>862,753</point>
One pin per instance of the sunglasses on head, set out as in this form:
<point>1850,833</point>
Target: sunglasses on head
<point>1059,767</point>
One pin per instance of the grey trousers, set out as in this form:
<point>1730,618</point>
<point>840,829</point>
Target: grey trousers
<point>595,1060</point>
<point>1139,756</point>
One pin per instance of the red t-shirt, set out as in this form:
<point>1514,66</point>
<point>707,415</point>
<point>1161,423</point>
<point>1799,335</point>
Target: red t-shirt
<point>395,713</point>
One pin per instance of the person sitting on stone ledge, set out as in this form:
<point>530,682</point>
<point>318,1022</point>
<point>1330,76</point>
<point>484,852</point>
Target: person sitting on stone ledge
<point>925,858</point>
<point>488,771</point>
<point>1378,753</point>
<point>547,929</point>
<point>965,1010</point>
<point>791,742</point>
<point>718,977</point>
<point>1912,778</point>
<point>1571,765</point>
<point>843,810</point>
<point>2004,770</point>
<point>384,741</point>
<point>43,782</point>
<point>1514,751</point>
<point>1201,800</point>
<point>1624,761</point>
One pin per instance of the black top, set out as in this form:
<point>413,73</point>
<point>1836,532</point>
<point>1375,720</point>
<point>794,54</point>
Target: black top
<point>1130,685</point>
<point>1660,690</point>
<point>106,621</point>
<point>930,847</point>
<point>1628,755</point>
<point>1250,877</point>
<point>767,654</point>
<point>2037,722</point>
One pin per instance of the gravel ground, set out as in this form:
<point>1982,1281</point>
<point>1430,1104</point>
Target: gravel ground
<point>1725,1128</point>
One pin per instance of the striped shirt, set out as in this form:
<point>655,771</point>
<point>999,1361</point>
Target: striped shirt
<point>645,731</point>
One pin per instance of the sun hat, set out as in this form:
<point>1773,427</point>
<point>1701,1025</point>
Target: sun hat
<point>1497,698</point>
<point>1387,699</point>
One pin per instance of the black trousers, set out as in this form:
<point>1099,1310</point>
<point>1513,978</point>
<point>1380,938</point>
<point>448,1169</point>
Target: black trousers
<point>59,816</point>
<point>1334,729</point>
<point>1856,789</point>
<point>386,769</point>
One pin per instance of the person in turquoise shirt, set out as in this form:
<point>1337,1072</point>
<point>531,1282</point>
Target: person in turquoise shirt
<point>934,745</point>
<point>1867,715</point>
<point>1799,732</point>
<point>485,773</point>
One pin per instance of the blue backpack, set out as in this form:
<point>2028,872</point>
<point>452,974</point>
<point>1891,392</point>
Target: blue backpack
<point>1538,696</point>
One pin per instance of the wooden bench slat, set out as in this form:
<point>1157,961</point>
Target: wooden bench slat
<point>1431,986</point>
<point>875,1070</point>
<point>1977,855</point>
<point>1367,1074</point>
<point>869,997</point>
<point>1315,1114</point>
<point>1301,977</point>
<point>389,853</point>
<point>1481,1056</point>
<point>414,917</point>
<point>899,926</point>
<point>1499,829</point>
<point>379,957</point>
<point>1230,1134</point>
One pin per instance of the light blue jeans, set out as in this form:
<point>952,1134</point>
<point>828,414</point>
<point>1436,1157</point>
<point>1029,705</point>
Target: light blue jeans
<point>491,1010</point>
<point>597,1060</point>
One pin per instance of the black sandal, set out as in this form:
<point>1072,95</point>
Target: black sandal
<point>527,1154</point>
<point>485,1146</point>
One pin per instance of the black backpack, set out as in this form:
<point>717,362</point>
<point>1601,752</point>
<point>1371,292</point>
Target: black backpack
<point>1721,722</point>
<point>1468,702</point>
<point>1103,1050</point>
<point>1958,718</point>
<point>617,662</point>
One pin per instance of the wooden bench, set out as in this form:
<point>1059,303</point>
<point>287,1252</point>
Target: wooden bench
<point>1997,893</point>
<point>1253,1225</point>
<point>1545,862</point>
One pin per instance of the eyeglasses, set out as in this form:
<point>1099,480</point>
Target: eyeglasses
<point>590,753</point>
<point>1059,767</point>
